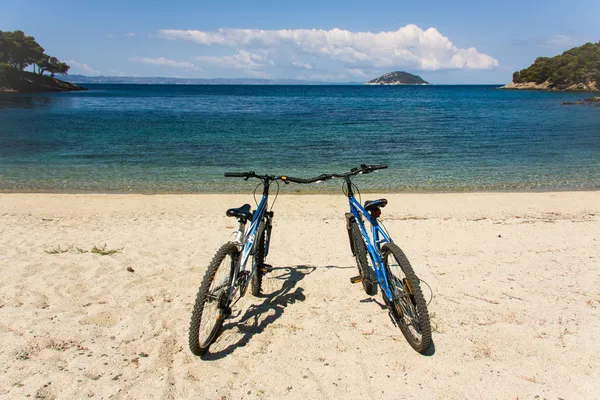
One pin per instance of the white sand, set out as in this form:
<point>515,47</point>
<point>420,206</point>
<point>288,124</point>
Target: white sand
<point>515,279</point>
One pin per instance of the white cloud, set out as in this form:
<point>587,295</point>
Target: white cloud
<point>259,74</point>
<point>356,72</point>
<point>554,41</point>
<point>84,67</point>
<point>302,65</point>
<point>162,61</point>
<point>242,60</point>
<point>409,46</point>
<point>326,76</point>
<point>130,34</point>
<point>558,41</point>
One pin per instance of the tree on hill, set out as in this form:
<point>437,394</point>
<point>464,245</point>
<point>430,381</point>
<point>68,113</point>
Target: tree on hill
<point>53,66</point>
<point>574,66</point>
<point>20,51</point>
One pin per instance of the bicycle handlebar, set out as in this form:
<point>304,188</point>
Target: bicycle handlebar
<point>237,174</point>
<point>363,169</point>
<point>252,174</point>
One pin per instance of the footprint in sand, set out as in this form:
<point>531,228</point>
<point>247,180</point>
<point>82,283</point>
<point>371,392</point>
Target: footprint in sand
<point>103,318</point>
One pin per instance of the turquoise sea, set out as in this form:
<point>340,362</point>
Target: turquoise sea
<point>180,138</point>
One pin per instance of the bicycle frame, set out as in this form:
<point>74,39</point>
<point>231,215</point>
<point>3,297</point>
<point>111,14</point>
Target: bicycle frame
<point>373,243</point>
<point>245,241</point>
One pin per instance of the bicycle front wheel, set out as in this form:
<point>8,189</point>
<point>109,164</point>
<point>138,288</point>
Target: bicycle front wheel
<point>408,306</point>
<point>211,308</point>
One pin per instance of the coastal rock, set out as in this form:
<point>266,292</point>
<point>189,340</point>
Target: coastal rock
<point>578,87</point>
<point>591,100</point>
<point>584,87</point>
<point>527,86</point>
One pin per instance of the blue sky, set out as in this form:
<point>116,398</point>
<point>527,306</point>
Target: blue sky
<point>442,41</point>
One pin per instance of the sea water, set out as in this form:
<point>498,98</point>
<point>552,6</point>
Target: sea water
<point>182,138</point>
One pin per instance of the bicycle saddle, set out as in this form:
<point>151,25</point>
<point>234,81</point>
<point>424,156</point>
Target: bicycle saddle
<point>372,204</point>
<point>240,212</point>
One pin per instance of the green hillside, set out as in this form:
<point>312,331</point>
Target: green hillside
<point>580,65</point>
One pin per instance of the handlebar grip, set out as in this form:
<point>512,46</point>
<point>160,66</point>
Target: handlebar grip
<point>377,166</point>
<point>236,174</point>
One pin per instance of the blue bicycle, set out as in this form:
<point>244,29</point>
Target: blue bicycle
<point>227,277</point>
<point>389,268</point>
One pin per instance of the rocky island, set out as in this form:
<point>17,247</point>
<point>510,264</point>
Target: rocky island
<point>577,69</point>
<point>18,52</point>
<point>398,78</point>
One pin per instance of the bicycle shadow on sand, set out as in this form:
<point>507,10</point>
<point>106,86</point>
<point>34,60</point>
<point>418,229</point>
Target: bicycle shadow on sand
<point>273,306</point>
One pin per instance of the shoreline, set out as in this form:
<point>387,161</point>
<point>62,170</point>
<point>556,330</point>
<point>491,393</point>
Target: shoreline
<point>546,87</point>
<point>301,192</point>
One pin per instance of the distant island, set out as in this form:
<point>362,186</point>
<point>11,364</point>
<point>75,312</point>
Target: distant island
<point>398,78</point>
<point>17,52</point>
<point>577,69</point>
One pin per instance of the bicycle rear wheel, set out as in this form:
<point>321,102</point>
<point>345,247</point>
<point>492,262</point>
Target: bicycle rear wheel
<point>259,259</point>
<point>211,308</point>
<point>360,254</point>
<point>408,306</point>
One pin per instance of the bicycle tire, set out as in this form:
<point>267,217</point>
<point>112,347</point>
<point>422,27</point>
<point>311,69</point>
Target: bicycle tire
<point>360,254</point>
<point>408,299</point>
<point>224,271</point>
<point>259,259</point>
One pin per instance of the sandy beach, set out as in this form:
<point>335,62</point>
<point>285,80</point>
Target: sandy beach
<point>515,299</point>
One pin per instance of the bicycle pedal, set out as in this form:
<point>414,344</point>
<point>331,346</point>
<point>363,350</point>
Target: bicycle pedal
<point>265,268</point>
<point>356,279</point>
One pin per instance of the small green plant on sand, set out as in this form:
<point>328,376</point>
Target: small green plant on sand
<point>59,250</point>
<point>103,251</point>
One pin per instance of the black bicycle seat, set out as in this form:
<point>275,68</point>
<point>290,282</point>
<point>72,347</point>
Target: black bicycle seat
<point>371,204</point>
<point>240,212</point>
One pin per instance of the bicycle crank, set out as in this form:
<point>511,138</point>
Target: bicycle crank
<point>265,268</point>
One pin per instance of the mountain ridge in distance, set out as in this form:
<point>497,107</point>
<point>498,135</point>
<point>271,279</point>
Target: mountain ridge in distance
<point>82,79</point>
